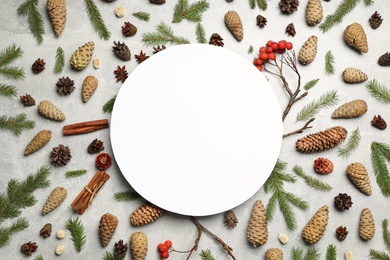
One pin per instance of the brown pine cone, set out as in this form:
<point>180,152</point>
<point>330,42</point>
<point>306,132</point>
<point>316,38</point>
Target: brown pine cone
<point>323,166</point>
<point>321,141</point>
<point>384,59</point>
<point>288,6</point>
<point>343,201</point>
<point>315,228</point>
<point>257,229</point>
<point>290,30</point>
<point>157,2</point>
<point>341,233</point>
<point>129,29</point>
<point>65,86</point>
<point>216,40</point>
<point>274,254</point>
<point>60,155</point>
<point>38,66</point>
<point>27,100</point>
<point>145,214</point>
<point>230,219</point>
<point>261,21</point>
<point>379,122</point>
<point>107,227</point>
<point>29,248</point>
<point>95,147</point>
<point>122,51</point>
<point>375,20</point>
<point>120,250</point>
<point>366,224</point>
<point>45,232</point>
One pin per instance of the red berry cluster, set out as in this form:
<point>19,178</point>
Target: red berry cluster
<point>163,249</point>
<point>268,52</point>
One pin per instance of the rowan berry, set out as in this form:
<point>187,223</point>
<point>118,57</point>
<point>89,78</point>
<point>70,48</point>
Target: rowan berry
<point>263,56</point>
<point>168,243</point>
<point>164,255</point>
<point>259,67</point>
<point>289,45</point>
<point>269,50</point>
<point>162,248</point>
<point>263,49</point>
<point>274,46</point>
<point>257,62</point>
<point>272,56</point>
<point>159,247</point>
<point>269,43</point>
<point>282,45</point>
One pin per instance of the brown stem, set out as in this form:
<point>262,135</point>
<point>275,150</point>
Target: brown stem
<point>195,247</point>
<point>300,130</point>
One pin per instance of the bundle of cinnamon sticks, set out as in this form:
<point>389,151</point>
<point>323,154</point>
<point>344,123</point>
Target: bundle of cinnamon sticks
<point>85,127</point>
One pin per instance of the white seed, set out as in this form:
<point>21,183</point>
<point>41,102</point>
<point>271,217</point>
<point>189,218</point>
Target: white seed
<point>348,255</point>
<point>96,62</point>
<point>60,249</point>
<point>120,11</point>
<point>60,234</point>
<point>283,238</point>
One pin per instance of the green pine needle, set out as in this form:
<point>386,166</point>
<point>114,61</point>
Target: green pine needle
<point>7,90</point>
<point>310,110</point>
<point>97,19</point>
<point>378,255</point>
<point>109,105</point>
<point>200,34</point>
<point>76,173</point>
<point>6,233</point>
<point>345,7</point>
<point>10,53</point>
<point>16,124</point>
<point>163,35</point>
<point>144,16</point>
<point>380,168</point>
<point>297,253</point>
<point>310,84</point>
<point>329,63</point>
<point>30,9</point>
<point>77,232</point>
<point>262,4</point>
<point>38,257</point>
<point>386,233</point>
<point>331,252</point>
<point>378,91</point>
<point>250,49</point>
<point>252,4</point>
<point>12,72</point>
<point>126,196</point>
<point>192,12</point>
<point>352,144</point>
<point>108,256</point>
<point>60,61</point>
<point>312,254</point>
<point>368,2</point>
<point>312,182</point>
<point>206,255</point>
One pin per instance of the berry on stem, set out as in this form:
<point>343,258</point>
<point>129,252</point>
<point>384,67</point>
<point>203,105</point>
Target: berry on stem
<point>164,255</point>
<point>168,243</point>
<point>263,56</point>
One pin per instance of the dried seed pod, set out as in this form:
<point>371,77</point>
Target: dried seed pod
<point>96,62</point>
<point>353,75</point>
<point>314,230</point>
<point>358,175</point>
<point>138,245</point>
<point>234,24</point>
<point>39,140</point>
<point>257,230</point>
<point>355,37</point>
<point>274,254</point>
<point>60,249</point>
<point>283,238</point>
<point>366,225</point>
<point>145,214</point>
<point>321,141</point>
<point>314,12</point>
<point>308,51</point>
<point>352,109</point>
<point>120,12</point>
<point>60,234</point>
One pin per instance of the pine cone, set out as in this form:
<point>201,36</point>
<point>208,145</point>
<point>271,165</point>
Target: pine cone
<point>50,111</point>
<point>129,29</point>
<point>314,12</point>
<point>384,59</point>
<point>95,147</point>
<point>366,225</point>
<point>157,48</point>
<point>138,245</point>
<point>375,20</point>
<point>216,39</point>
<point>60,155</point>
<point>323,166</point>
<point>89,87</point>
<point>261,21</point>
<point>379,122</point>
<point>274,254</point>
<point>29,248</point>
<point>290,30</point>
<point>234,24</point>
<point>353,75</point>
<point>230,219</point>
<point>358,175</point>
<point>45,232</point>
<point>121,51</point>
<point>352,109</point>
<point>157,2</point>
<point>343,201</point>
<point>27,100</point>
<point>288,6</point>
<point>39,140</point>
<point>65,86</point>
<point>83,56</point>
<point>321,141</point>
<point>57,14</point>
<point>107,227</point>
<point>145,214</point>
<point>308,51</point>
<point>341,233</point>
<point>257,230</point>
<point>56,197</point>
<point>120,250</point>
<point>38,66</point>
<point>314,230</point>
<point>348,255</point>
<point>355,37</point>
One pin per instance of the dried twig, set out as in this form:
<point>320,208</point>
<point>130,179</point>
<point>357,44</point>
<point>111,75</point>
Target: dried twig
<point>300,130</point>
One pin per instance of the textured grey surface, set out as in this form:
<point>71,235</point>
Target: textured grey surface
<point>78,30</point>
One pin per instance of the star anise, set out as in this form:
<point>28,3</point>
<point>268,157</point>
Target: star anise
<point>121,74</point>
<point>141,57</point>
<point>158,48</point>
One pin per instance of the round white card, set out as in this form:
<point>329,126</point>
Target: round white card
<point>196,129</point>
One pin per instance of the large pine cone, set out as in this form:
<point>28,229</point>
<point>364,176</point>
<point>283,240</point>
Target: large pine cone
<point>60,155</point>
<point>288,6</point>
<point>145,214</point>
<point>358,175</point>
<point>257,230</point>
<point>314,230</point>
<point>65,86</point>
<point>366,225</point>
<point>107,227</point>
<point>121,51</point>
<point>343,201</point>
<point>321,141</point>
<point>138,245</point>
<point>274,254</point>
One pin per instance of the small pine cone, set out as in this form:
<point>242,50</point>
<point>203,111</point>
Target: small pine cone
<point>38,66</point>
<point>353,75</point>
<point>145,214</point>
<point>129,29</point>
<point>138,245</point>
<point>45,232</point>
<point>274,254</point>
<point>157,2</point>
<point>290,30</point>
<point>308,51</point>
<point>321,141</point>
<point>379,122</point>
<point>343,201</point>
<point>375,20</point>
<point>60,155</point>
<point>352,109</point>
<point>216,39</point>
<point>348,255</point>
<point>89,87</point>
<point>384,59</point>
<point>82,56</point>
<point>366,225</point>
<point>257,230</point>
<point>288,6</point>
<point>358,175</point>
<point>57,13</point>
<point>27,100</point>
<point>50,111</point>
<point>234,24</point>
<point>314,12</point>
<point>29,248</point>
<point>95,147</point>
<point>314,230</point>
<point>355,37</point>
<point>261,21</point>
<point>39,140</point>
<point>230,219</point>
<point>158,48</point>
<point>65,86</point>
<point>107,227</point>
<point>341,233</point>
<point>323,166</point>
<point>120,250</point>
<point>122,51</point>
<point>56,197</point>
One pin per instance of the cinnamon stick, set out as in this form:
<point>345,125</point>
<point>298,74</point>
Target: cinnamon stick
<point>85,127</point>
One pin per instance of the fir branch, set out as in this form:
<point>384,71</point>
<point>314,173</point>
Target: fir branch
<point>262,4</point>
<point>288,214</point>
<point>297,253</point>
<point>144,16</point>
<point>345,7</point>
<point>312,182</point>
<point>206,255</point>
<point>77,232</point>
<point>250,49</point>
<point>39,257</point>
<point>378,91</point>
<point>6,233</point>
<point>380,168</point>
<point>200,34</point>
<point>386,233</point>
<point>126,195</point>
<point>108,256</point>
<point>163,35</point>
<point>331,252</point>
<point>7,90</point>
<point>76,173</point>
<point>192,12</point>
<point>368,2</point>
<point>252,4</point>
<point>97,19</point>
<point>329,63</point>
<point>378,255</point>
<point>310,110</point>
<point>16,124</point>
<point>271,206</point>
<point>385,150</point>
<point>109,105</point>
<point>310,84</point>
<point>312,254</point>
<point>10,53</point>
<point>12,72</point>
<point>60,61</point>
<point>352,144</point>
<point>30,9</point>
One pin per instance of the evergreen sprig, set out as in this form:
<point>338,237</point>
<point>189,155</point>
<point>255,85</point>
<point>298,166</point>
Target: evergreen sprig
<point>109,105</point>
<point>8,90</point>
<point>30,9</point>
<point>352,144</point>
<point>16,124</point>
<point>10,54</point>
<point>310,84</point>
<point>200,34</point>
<point>379,91</point>
<point>310,110</point>
<point>12,72</point>
<point>261,3</point>
<point>380,152</point>
<point>331,252</point>
<point>368,2</point>
<point>163,35</point>
<point>252,4</point>
<point>76,173</point>
<point>378,255</point>
<point>250,49</point>
<point>275,184</point>
<point>60,61</point>
<point>206,255</point>
<point>386,233</point>
<point>97,19</point>
<point>192,12</point>
<point>312,254</point>
<point>6,233</point>
<point>126,195</point>
<point>345,7</point>
<point>312,182</point>
<point>297,253</point>
<point>329,63</point>
<point>38,257</point>
<point>77,232</point>
<point>144,16</point>
<point>108,256</point>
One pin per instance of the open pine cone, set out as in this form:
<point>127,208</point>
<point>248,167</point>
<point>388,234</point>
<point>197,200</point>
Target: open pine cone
<point>288,6</point>
<point>341,233</point>
<point>60,155</point>
<point>379,122</point>
<point>27,100</point>
<point>38,66</point>
<point>129,29</point>
<point>343,201</point>
<point>29,248</point>
<point>95,147</point>
<point>216,39</point>
<point>120,250</point>
<point>261,21</point>
<point>65,86</point>
<point>230,219</point>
